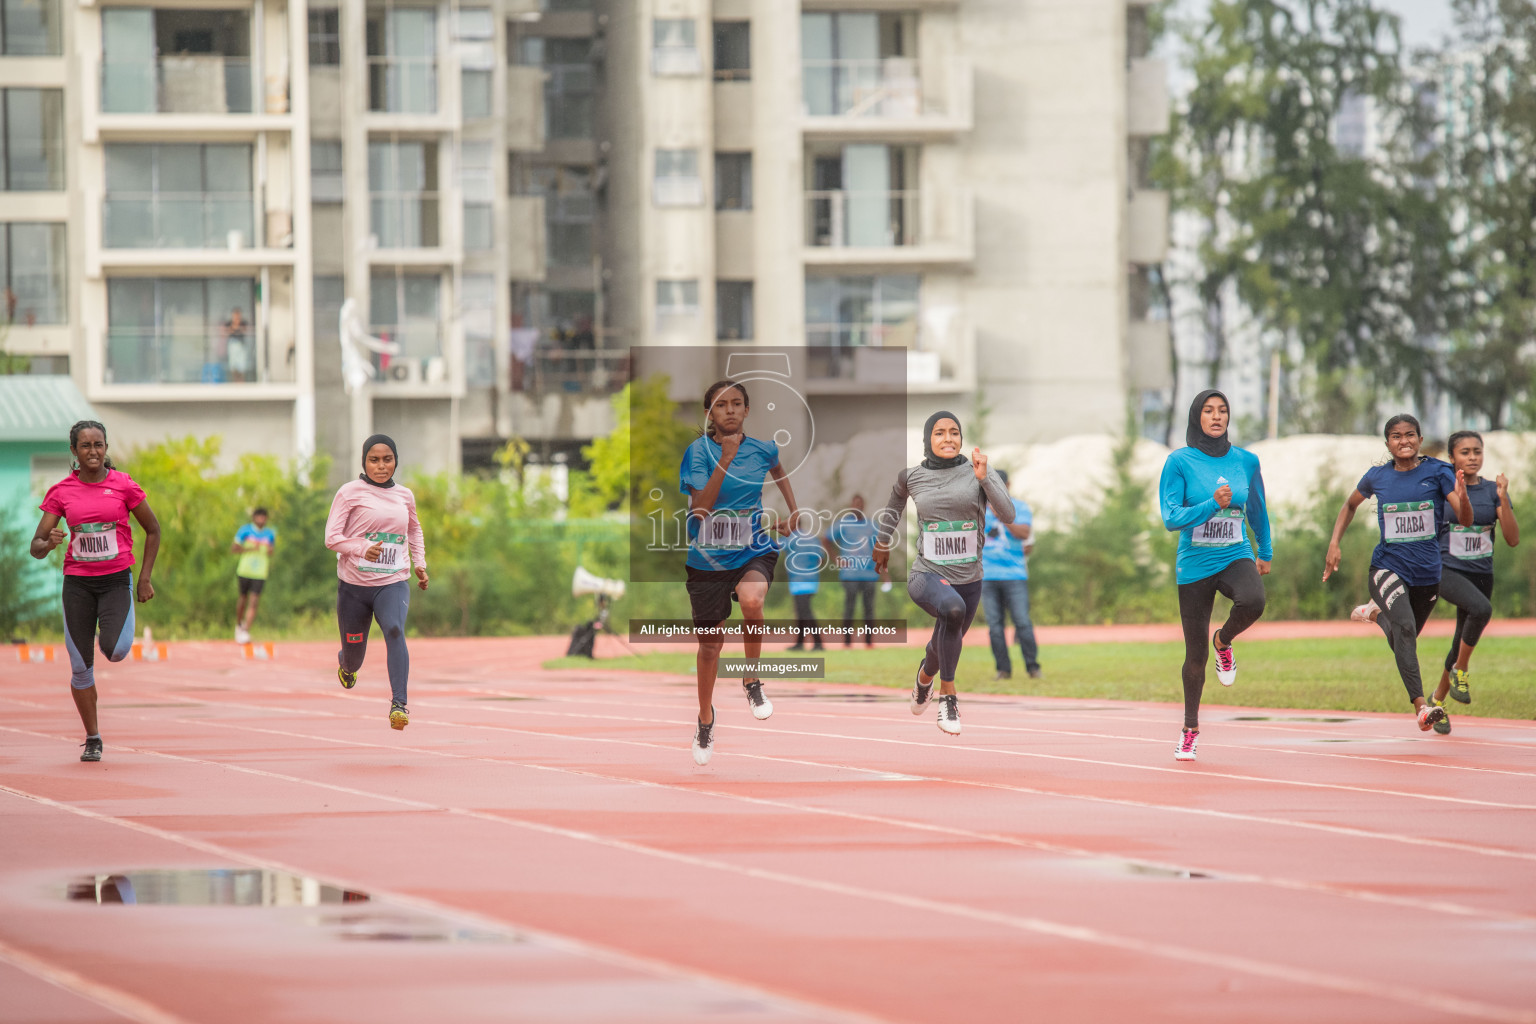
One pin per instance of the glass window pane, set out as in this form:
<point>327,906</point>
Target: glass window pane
<point>674,32</point>
<point>324,37</point>
<point>479,228</point>
<point>677,163</point>
<point>37,279</point>
<point>476,87</point>
<point>733,310</point>
<point>383,300</point>
<point>128,83</point>
<point>326,184</point>
<point>178,168</point>
<point>733,50</point>
<point>474,23</point>
<point>34,144</point>
<point>228,168</point>
<point>733,181</point>
<point>130,168</point>
<point>32,28</point>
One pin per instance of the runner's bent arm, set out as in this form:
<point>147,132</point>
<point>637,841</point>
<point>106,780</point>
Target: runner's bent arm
<point>782,479</point>
<point>1507,521</point>
<point>44,541</point>
<point>1257,514</point>
<point>151,527</point>
<point>703,499</point>
<point>1346,515</point>
<point>1171,496</point>
<point>413,535</point>
<point>1460,503</point>
<point>336,538</point>
<point>998,497</point>
<point>886,520</point>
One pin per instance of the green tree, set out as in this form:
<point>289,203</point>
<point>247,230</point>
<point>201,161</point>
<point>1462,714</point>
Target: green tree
<point>1489,91</point>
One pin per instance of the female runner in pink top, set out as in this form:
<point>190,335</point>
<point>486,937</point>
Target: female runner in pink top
<point>94,503</point>
<point>374,530</point>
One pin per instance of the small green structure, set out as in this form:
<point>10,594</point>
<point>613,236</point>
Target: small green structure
<point>36,413</point>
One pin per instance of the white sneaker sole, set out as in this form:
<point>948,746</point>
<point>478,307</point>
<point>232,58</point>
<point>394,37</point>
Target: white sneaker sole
<point>1226,678</point>
<point>1179,755</point>
<point>949,728</point>
<point>701,755</point>
<point>761,713</point>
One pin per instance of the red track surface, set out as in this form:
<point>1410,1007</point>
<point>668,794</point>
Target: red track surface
<point>548,839</point>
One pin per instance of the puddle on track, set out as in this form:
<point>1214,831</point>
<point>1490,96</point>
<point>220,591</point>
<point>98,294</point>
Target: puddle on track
<point>1288,718</point>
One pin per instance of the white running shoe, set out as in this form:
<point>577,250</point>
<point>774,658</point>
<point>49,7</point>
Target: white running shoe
<point>242,635</point>
<point>704,741</point>
<point>1185,749</point>
<point>1226,663</point>
<point>1365,612</point>
<point>949,713</point>
<point>921,694</point>
<point>761,706</point>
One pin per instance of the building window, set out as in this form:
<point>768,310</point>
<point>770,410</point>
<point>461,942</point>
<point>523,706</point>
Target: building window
<point>33,138</point>
<point>843,311</point>
<point>403,194</point>
<point>859,64</point>
<point>568,209</point>
<point>677,178</point>
<point>326,182</point>
<point>33,273</point>
<point>570,89</point>
<point>402,60</point>
<point>474,30</point>
<point>733,181</point>
<point>31,28</point>
<point>404,308</point>
<point>183,331</point>
<point>477,185</point>
<point>733,51</point>
<point>733,311</point>
<point>175,61</point>
<point>324,37</point>
<point>673,48</point>
<point>477,307</point>
<point>862,195</point>
<point>189,196</point>
<point>677,300</point>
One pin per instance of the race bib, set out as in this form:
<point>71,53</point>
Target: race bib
<point>1222,529</point>
<point>1471,543</point>
<point>1407,521</point>
<point>93,542</point>
<point>729,531</point>
<point>391,553</point>
<point>951,543</point>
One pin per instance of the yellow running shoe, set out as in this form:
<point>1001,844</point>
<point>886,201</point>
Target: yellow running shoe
<point>1459,692</point>
<point>399,717</point>
<point>348,679</point>
<point>1443,726</point>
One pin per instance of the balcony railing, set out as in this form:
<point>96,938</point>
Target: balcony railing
<point>404,220</point>
<point>572,372</point>
<point>420,359</point>
<point>178,220</point>
<point>193,83</point>
<point>862,219</point>
<point>208,355</point>
<point>890,89</point>
<point>402,85</point>
<point>932,352</point>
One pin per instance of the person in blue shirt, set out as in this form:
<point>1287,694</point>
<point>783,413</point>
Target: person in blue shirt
<point>254,543</point>
<point>1210,491</point>
<point>1005,587</point>
<point>731,556</point>
<point>803,561</point>
<point>851,544</point>
<point>1411,493</point>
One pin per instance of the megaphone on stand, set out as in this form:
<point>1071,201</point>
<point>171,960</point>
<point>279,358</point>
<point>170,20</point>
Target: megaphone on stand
<point>584,636</point>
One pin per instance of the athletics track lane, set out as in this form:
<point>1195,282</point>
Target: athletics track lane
<point>547,839</point>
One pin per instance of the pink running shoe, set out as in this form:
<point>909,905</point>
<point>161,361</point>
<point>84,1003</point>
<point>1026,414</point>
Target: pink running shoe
<point>1226,663</point>
<point>1185,751</point>
<point>1365,612</point>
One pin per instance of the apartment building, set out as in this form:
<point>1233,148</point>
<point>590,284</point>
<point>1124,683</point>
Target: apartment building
<point>964,180</point>
<point>509,194</point>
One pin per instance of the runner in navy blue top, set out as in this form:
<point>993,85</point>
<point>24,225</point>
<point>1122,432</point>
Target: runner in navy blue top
<point>1411,493</point>
<point>1466,555</point>
<point>730,553</point>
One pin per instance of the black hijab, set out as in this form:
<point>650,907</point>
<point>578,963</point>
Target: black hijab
<point>383,439</point>
<point>931,460</point>
<point>1195,437</point>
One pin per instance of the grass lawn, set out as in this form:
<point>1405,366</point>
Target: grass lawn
<point>1345,675</point>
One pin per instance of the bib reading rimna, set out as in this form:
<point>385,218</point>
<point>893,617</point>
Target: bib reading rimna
<point>1410,507</point>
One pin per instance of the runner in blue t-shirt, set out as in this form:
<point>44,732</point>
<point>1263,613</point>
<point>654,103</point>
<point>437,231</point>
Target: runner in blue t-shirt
<point>850,543</point>
<point>1411,493</point>
<point>730,554</point>
<point>803,562</point>
<point>253,543</point>
<point>1209,492</point>
<point>1005,587</point>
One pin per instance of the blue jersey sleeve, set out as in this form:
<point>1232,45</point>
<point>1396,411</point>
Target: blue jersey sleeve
<point>243,533</point>
<point>694,473</point>
<point>1171,498</point>
<point>1258,513</point>
<point>1366,486</point>
<point>1022,516</point>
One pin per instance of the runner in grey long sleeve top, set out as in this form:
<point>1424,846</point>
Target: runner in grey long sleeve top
<point>951,493</point>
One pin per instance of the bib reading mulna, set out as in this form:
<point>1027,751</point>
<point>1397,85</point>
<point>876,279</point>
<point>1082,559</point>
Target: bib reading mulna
<point>1222,529</point>
<point>391,554</point>
<point>93,542</point>
<point>951,543</point>
<point>1405,522</point>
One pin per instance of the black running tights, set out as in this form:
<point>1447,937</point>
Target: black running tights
<point>1404,610</point>
<point>1472,594</point>
<point>1240,582</point>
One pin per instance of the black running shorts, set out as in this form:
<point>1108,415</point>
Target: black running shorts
<point>250,586</point>
<point>711,591</point>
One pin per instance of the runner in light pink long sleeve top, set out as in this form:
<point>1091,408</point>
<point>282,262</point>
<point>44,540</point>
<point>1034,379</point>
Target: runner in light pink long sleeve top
<point>363,514</point>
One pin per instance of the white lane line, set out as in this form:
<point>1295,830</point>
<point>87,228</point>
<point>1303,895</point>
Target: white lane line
<point>1432,906</point>
<point>1417,998</point>
<point>577,947</point>
<point>1034,791</point>
<point>105,996</point>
